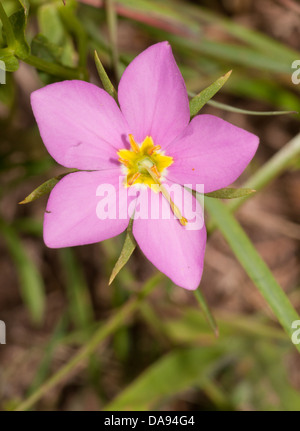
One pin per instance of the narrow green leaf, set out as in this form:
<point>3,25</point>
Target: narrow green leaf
<point>253,264</point>
<point>230,193</point>
<point>127,250</point>
<point>77,290</point>
<point>106,82</point>
<point>44,188</point>
<point>206,311</point>
<point>31,282</point>
<point>229,108</point>
<point>197,102</point>
<point>173,373</point>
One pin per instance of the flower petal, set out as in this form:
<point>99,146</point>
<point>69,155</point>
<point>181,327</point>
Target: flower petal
<point>212,152</point>
<point>153,96</point>
<point>77,204</point>
<point>80,124</point>
<point>176,250</point>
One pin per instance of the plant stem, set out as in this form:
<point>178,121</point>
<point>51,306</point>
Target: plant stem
<point>53,69</point>
<point>10,37</point>
<point>206,311</point>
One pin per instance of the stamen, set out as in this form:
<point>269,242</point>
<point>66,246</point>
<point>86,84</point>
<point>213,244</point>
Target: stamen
<point>124,162</point>
<point>154,148</point>
<point>134,178</point>
<point>133,144</point>
<point>155,171</point>
<point>174,208</point>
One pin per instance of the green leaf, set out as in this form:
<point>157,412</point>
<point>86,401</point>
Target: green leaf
<point>31,282</point>
<point>171,374</point>
<point>127,250</point>
<point>43,48</point>
<point>52,27</point>
<point>44,188</point>
<point>230,193</point>
<point>253,264</point>
<point>106,82</point>
<point>18,22</point>
<point>205,95</point>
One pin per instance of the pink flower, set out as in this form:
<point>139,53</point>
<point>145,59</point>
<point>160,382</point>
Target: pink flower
<point>149,139</point>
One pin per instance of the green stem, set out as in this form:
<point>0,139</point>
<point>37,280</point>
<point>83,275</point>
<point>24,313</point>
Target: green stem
<point>206,311</point>
<point>10,37</point>
<point>53,69</point>
<point>100,335</point>
<point>6,52</point>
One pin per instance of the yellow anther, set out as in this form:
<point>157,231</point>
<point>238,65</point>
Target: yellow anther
<point>133,144</point>
<point>134,178</point>
<point>155,171</point>
<point>153,149</point>
<point>124,162</point>
<point>183,221</point>
<point>174,208</point>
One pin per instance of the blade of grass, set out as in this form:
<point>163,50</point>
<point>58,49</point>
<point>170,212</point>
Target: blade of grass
<point>77,290</point>
<point>113,35</point>
<point>253,264</point>
<point>31,282</point>
<point>169,375</point>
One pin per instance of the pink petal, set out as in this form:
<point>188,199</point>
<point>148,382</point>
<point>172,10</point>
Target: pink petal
<point>176,250</point>
<point>153,97</point>
<point>212,152</point>
<point>71,216</point>
<point>80,124</point>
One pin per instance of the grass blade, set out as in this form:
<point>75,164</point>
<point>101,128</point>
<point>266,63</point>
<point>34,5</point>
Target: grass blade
<point>31,282</point>
<point>171,374</point>
<point>253,264</point>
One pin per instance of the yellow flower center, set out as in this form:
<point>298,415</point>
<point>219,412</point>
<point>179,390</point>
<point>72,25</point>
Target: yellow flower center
<point>140,159</point>
<point>145,164</point>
